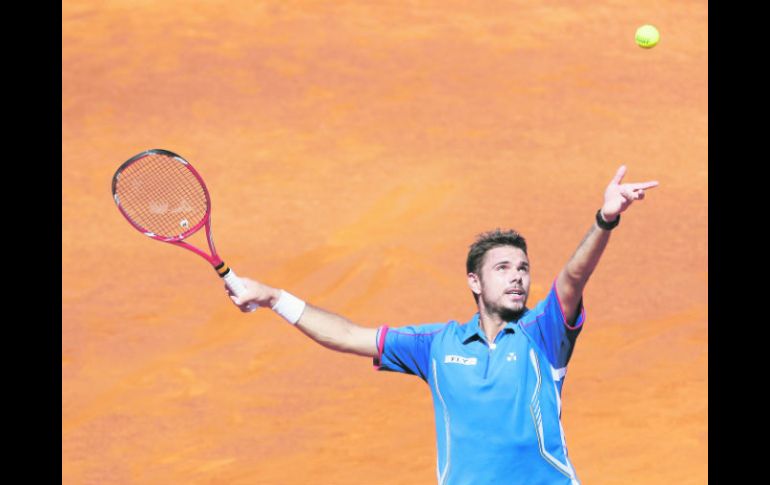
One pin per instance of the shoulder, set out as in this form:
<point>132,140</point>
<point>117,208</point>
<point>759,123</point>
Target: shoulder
<point>547,303</point>
<point>424,329</point>
<point>532,314</point>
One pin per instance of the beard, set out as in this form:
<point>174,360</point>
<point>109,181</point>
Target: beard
<point>506,313</point>
<point>510,315</point>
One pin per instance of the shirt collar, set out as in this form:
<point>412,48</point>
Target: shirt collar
<point>473,329</point>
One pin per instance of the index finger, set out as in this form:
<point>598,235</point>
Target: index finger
<point>644,185</point>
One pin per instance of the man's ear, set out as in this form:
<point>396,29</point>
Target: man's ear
<point>475,283</point>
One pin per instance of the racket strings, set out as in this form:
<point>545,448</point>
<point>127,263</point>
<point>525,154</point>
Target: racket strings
<point>162,195</point>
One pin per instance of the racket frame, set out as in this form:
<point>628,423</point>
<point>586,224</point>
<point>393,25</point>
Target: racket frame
<point>205,221</point>
<point>222,269</point>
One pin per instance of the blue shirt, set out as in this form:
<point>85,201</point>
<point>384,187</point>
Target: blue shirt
<point>497,405</point>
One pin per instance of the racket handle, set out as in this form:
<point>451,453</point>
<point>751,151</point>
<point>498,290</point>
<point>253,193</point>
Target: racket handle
<point>236,286</point>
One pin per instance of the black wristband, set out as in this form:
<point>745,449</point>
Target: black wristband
<point>607,226</point>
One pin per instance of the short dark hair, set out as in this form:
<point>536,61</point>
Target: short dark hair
<point>490,240</point>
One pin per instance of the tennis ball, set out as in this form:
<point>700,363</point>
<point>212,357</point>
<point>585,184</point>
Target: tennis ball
<point>647,36</point>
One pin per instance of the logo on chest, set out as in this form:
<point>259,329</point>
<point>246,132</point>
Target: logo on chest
<point>457,359</point>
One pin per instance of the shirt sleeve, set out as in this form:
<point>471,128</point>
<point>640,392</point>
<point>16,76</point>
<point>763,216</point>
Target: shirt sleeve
<point>406,349</point>
<point>552,331</point>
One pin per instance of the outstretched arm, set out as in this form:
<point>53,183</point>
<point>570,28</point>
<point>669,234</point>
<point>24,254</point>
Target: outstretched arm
<point>574,276</point>
<point>328,329</point>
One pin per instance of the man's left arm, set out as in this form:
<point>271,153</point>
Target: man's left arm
<point>574,276</point>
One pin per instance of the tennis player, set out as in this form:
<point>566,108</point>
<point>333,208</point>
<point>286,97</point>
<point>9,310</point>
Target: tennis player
<point>496,379</point>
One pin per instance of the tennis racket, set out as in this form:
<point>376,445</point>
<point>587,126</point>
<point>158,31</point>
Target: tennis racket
<point>165,198</point>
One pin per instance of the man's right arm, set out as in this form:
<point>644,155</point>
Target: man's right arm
<point>328,329</point>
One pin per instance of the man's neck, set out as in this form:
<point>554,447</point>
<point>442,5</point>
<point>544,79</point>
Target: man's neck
<point>491,324</point>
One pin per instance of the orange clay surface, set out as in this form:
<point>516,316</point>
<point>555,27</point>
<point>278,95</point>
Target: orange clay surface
<point>353,151</point>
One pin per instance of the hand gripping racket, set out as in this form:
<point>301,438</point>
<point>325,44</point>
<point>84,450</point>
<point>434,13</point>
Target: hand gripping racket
<point>164,197</point>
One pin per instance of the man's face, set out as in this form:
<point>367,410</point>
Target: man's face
<point>503,282</point>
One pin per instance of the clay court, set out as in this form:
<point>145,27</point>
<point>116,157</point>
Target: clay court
<point>353,151</point>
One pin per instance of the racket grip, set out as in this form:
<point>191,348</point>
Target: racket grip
<point>236,286</point>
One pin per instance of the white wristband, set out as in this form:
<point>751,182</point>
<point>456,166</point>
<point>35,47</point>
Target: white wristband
<point>289,307</point>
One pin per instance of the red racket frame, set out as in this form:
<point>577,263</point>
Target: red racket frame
<point>221,268</point>
<point>213,258</point>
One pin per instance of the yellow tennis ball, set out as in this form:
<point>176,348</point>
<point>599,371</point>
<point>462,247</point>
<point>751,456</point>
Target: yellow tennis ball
<point>647,36</point>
